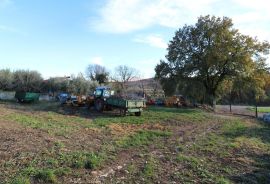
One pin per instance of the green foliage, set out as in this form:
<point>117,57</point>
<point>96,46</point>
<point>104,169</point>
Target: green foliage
<point>46,175</point>
<point>83,160</point>
<point>78,85</point>
<point>54,85</point>
<point>27,81</point>
<point>210,52</point>
<point>21,180</point>
<point>149,168</point>
<point>6,79</point>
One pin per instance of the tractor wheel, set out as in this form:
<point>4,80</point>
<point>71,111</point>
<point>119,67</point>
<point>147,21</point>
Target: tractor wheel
<point>138,113</point>
<point>123,112</point>
<point>99,105</point>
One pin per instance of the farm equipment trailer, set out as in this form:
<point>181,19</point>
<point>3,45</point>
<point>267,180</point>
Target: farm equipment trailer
<point>104,99</point>
<point>26,96</point>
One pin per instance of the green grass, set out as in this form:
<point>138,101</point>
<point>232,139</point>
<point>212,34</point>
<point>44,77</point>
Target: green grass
<point>260,109</point>
<point>51,122</point>
<point>204,158</point>
<point>21,180</point>
<point>142,137</point>
<point>46,175</point>
<point>149,169</point>
<point>154,115</point>
<point>194,147</point>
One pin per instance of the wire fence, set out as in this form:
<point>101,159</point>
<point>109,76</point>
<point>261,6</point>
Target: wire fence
<point>245,110</point>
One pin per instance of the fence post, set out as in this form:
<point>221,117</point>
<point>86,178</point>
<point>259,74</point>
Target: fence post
<point>256,109</point>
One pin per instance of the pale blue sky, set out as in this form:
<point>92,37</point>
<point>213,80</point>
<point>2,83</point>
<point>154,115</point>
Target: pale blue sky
<point>61,37</point>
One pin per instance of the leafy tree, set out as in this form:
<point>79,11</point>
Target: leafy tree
<point>27,81</point>
<point>210,52</point>
<point>78,85</point>
<point>97,73</point>
<point>6,79</point>
<point>57,84</point>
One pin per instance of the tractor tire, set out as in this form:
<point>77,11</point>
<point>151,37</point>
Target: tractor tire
<point>138,113</point>
<point>123,112</point>
<point>99,105</point>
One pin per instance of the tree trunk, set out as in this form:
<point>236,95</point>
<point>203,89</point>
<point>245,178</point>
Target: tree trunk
<point>213,101</point>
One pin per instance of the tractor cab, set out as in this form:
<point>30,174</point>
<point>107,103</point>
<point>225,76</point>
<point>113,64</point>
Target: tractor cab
<point>103,92</point>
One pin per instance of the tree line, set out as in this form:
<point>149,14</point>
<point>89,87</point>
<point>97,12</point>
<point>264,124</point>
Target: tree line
<point>32,81</point>
<point>212,61</point>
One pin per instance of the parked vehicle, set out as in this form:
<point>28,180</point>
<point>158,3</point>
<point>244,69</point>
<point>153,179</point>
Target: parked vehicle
<point>159,102</point>
<point>175,101</point>
<point>104,99</point>
<point>150,102</point>
<point>63,98</point>
<point>80,100</point>
<point>26,96</point>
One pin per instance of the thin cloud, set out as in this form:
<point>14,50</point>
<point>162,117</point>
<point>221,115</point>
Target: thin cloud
<point>121,16</point>
<point>152,40</point>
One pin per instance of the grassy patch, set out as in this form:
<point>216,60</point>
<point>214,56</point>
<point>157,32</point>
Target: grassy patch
<point>46,175</point>
<point>154,115</point>
<point>50,122</point>
<point>142,137</point>
<point>21,180</point>
<point>149,169</point>
<point>217,150</point>
<point>260,109</point>
<point>40,175</point>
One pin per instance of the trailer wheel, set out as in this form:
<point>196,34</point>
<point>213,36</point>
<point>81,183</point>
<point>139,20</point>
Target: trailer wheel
<point>99,105</point>
<point>138,113</point>
<point>123,112</point>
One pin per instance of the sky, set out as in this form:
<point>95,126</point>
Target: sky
<point>62,37</point>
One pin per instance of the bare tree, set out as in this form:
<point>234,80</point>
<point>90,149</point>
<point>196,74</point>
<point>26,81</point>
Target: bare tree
<point>97,73</point>
<point>124,74</point>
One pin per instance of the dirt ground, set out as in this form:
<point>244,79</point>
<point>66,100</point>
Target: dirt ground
<point>132,150</point>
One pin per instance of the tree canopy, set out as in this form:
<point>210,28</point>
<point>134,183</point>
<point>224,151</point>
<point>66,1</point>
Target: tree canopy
<point>6,79</point>
<point>27,81</point>
<point>97,73</point>
<point>210,52</point>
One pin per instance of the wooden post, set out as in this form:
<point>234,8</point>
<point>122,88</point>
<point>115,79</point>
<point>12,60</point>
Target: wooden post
<point>230,101</point>
<point>256,115</point>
